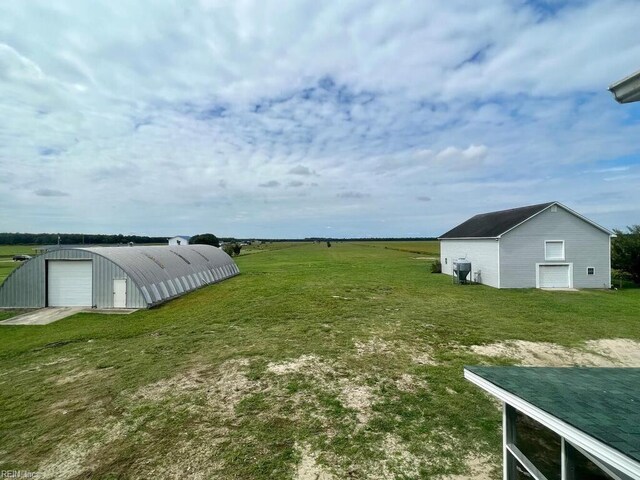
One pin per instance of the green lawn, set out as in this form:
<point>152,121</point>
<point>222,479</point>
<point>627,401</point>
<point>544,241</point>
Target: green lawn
<point>430,248</point>
<point>7,265</point>
<point>315,362</point>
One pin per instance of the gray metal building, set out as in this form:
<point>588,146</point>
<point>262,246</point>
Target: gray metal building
<point>114,277</point>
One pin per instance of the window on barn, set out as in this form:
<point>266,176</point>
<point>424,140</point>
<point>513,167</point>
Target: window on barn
<point>591,270</point>
<point>554,249</point>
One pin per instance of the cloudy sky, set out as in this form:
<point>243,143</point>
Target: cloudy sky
<point>307,118</point>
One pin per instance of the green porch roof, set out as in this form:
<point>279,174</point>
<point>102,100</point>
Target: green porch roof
<point>604,403</point>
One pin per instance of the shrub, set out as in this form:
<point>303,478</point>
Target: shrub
<point>232,249</point>
<point>205,239</point>
<point>436,267</point>
<point>625,252</point>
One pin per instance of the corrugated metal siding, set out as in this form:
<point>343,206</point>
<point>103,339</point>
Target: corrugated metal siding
<point>104,272</point>
<point>24,287</point>
<point>585,246</point>
<point>148,271</point>
<point>483,255</point>
<point>154,269</point>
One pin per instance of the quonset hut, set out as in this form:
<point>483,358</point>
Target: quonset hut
<point>114,277</point>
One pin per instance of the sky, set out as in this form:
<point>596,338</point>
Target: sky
<point>293,119</point>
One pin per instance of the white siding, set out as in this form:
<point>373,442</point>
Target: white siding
<point>484,256</point>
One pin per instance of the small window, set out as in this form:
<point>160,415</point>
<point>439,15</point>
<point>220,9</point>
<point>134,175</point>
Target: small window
<point>554,249</point>
<point>445,260</point>
<point>591,270</point>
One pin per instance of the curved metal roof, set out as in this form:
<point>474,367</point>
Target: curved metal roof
<point>163,272</point>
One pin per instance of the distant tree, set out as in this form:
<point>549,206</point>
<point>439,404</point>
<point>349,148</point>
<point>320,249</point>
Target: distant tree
<point>205,239</point>
<point>236,248</point>
<point>328,244</point>
<point>625,252</point>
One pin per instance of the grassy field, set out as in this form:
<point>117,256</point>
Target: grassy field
<point>430,248</point>
<point>6,254</point>
<point>314,363</point>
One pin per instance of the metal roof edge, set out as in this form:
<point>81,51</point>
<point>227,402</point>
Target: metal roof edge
<point>576,436</point>
<point>626,90</point>
<point>467,238</point>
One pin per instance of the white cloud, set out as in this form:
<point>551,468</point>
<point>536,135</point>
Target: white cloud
<point>186,110</point>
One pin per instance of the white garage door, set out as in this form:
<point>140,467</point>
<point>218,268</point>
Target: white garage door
<point>69,283</point>
<point>554,276</point>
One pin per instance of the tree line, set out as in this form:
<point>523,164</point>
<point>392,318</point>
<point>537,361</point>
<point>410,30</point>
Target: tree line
<point>74,239</point>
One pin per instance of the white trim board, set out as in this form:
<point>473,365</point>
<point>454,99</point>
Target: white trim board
<point>577,437</point>
<point>558,259</point>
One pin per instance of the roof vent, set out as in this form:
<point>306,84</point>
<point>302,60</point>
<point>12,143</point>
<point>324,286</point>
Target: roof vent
<point>554,208</point>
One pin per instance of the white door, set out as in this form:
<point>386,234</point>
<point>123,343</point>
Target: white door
<point>69,283</point>
<point>554,276</point>
<point>119,294</point>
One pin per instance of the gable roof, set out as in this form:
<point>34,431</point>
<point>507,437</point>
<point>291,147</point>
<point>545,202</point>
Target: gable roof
<point>496,224</point>
<point>186,237</point>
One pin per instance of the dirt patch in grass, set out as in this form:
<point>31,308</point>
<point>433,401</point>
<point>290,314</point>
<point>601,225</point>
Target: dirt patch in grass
<point>621,351</point>
<point>602,353</point>
<point>423,358</point>
<point>375,346</point>
<point>479,468</point>
<point>331,377</point>
<point>209,394</point>
<point>357,397</point>
<point>306,364</point>
<point>309,468</point>
<point>410,383</point>
<point>78,374</point>
<point>73,459</point>
<point>398,460</point>
<point>224,387</point>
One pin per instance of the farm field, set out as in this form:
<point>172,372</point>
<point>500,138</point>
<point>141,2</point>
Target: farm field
<point>6,254</point>
<point>314,363</point>
<point>430,248</point>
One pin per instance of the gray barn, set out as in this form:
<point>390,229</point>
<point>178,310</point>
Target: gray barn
<point>542,246</point>
<point>114,277</point>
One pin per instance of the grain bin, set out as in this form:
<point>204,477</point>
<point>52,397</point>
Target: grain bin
<point>461,270</point>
